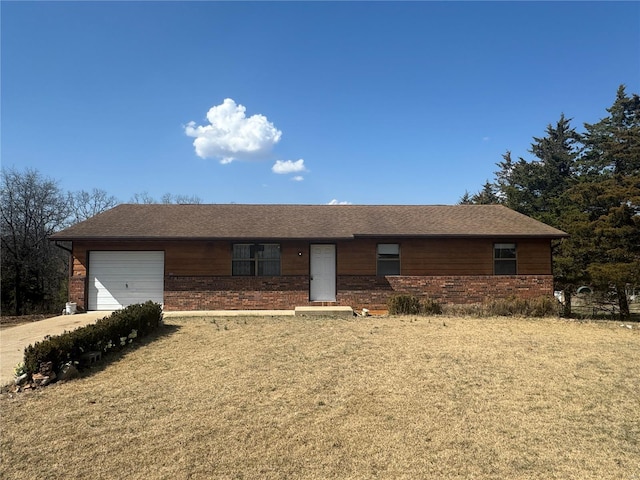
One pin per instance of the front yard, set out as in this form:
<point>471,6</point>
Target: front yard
<point>397,397</point>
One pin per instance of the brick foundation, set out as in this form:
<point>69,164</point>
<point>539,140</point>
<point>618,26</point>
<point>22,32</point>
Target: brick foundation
<point>235,293</point>
<point>373,292</point>
<point>287,292</point>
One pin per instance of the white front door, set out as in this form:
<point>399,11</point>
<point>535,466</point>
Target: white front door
<point>323,273</point>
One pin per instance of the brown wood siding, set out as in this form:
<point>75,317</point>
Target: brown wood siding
<point>470,257</point>
<point>80,249</point>
<point>291,263</point>
<point>446,257</point>
<point>534,257</point>
<point>420,256</point>
<point>194,258</point>
<point>357,257</point>
<point>442,256</point>
<point>197,258</point>
<point>215,258</point>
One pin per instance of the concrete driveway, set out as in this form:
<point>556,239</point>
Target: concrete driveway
<point>13,340</point>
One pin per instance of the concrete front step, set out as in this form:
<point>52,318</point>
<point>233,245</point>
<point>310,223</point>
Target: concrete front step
<point>333,311</point>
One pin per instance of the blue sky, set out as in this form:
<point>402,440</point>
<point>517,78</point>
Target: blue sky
<point>359,102</point>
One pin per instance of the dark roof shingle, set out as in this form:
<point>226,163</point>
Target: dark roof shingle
<point>236,221</point>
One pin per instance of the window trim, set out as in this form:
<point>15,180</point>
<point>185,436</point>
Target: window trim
<point>388,261</point>
<point>504,261</point>
<point>255,260</point>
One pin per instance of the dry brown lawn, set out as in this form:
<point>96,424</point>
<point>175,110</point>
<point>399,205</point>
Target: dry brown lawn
<point>364,398</point>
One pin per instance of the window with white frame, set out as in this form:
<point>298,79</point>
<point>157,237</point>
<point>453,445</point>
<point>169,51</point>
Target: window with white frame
<point>504,259</point>
<point>256,259</point>
<point>388,259</point>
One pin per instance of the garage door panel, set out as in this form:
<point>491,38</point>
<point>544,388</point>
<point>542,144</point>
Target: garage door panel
<point>119,279</point>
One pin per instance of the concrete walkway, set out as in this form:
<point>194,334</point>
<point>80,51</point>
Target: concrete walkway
<point>228,313</point>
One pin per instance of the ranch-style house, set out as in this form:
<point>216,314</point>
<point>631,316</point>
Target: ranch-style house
<point>211,257</point>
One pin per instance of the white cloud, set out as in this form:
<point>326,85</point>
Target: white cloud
<point>231,135</point>
<point>298,178</point>
<point>288,166</point>
<point>336,202</point>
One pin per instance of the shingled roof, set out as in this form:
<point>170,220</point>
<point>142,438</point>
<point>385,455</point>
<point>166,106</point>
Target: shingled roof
<point>235,221</point>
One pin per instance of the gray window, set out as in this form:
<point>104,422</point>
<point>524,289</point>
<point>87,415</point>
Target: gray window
<point>504,259</point>
<point>251,259</point>
<point>388,259</point>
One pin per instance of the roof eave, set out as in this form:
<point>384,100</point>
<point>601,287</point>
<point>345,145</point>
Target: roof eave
<point>465,235</point>
<point>56,237</point>
<point>194,237</point>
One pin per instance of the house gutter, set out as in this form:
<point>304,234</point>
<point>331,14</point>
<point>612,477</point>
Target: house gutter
<point>466,235</point>
<point>55,242</point>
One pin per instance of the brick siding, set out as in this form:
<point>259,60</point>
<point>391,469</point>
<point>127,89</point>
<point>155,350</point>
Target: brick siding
<point>77,285</point>
<point>373,292</point>
<point>235,293</point>
<point>287,292</point>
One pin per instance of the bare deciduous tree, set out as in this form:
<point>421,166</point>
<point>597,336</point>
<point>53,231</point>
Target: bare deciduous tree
<point>85,204</point>
<point>181,199</point>
<point>143,198</point>
<point>32,207</point>
<point>167,198</point>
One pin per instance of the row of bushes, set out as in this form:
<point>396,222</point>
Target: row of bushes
<point>512,306</point>
<point>411,305</point>
<point>111,333</point>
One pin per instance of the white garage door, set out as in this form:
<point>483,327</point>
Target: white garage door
<point>119,279</point>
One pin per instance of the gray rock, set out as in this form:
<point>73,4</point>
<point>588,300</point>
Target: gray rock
<point>67,372</point>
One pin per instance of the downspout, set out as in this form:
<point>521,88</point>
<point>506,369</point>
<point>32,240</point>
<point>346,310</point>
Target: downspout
<point>55,242</point>
<point>70,272</point>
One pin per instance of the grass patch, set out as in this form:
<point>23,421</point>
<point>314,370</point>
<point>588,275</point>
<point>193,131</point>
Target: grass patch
<point>395,397</point>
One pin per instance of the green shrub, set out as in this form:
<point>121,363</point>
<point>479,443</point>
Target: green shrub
<point>411,305</point>
<point>108,334</point>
